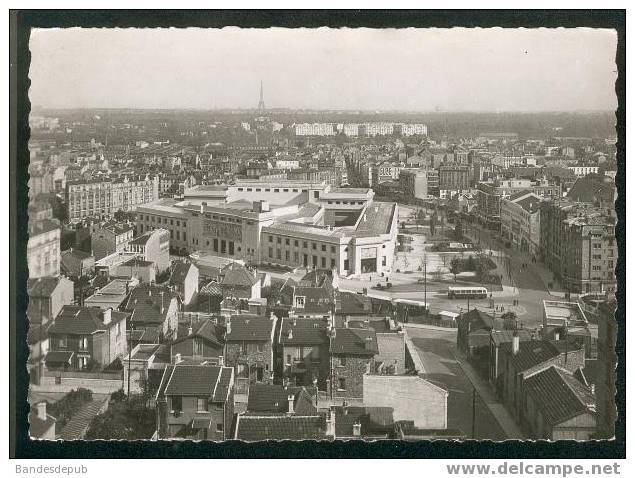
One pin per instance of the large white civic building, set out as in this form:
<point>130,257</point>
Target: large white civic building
<point>290,223</point>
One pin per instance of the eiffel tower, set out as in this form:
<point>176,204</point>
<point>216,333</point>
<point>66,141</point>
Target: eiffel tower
<point>261,103</point>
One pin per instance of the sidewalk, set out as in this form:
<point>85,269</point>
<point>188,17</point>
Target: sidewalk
<point>500,413</point>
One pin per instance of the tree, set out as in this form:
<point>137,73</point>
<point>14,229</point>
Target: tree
<point>433,223</point>
<point>458,231</point>
<point>455,267</point>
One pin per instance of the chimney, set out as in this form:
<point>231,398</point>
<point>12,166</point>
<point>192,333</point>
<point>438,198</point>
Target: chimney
<point>221,361</point>
<point>41,410</point>
<point>107,315</point>
<point>515,343</point>
<point>330,424</point>
<point>357,429</point>
<point>189,330</point>
<point>290,399</point>
<point>290,335</point>
<point>228,326</point>
<point>556,336</point>
<point>177,358</point>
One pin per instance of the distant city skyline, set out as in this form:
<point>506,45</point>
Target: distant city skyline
<point>412,70</point>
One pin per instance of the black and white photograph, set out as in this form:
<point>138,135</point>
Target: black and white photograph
<point>322,234</point>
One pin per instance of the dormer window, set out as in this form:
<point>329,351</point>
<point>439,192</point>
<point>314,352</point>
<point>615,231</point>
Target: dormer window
<point>299,302</point>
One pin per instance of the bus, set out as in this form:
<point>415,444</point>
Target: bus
<point>465,292</point>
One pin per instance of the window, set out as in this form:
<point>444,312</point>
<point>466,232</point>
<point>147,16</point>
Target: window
<point>341,384</point>
<point>313,246</point>
<point>278,253</point>
<point>295,257</point>
<point>323,247</point>
<point>286,256</point>
<point>177,403</point>
<point>223,246</point>
<point>323,262</point>
<point>83,343</point>
<point>278,240</point>
<point>198,346</point>
<point>342,361</point>
<point>295,243</point>
<point>333,263</point>
<point>82,362</point>
<point>231,248</point>
<point>215,245</point>
<point>299,302</point>
<point>201,404</point>
<point>304,244</point>
<point>270,239</point>
<point>287,242</point>
<point>271,252</point>
<point>219,427</point>
<point>259,347</point>
<point>332,249</point>
<point>62,342</point>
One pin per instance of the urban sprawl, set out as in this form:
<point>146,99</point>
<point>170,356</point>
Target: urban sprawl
<point>265,276</point>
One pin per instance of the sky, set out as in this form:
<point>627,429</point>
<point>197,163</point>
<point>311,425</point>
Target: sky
<point>350,69</point>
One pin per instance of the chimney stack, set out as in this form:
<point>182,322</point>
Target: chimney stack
<point>556,336</point>
<point>41,410</point>
<point>221,361</point>
<point>228,326</point>
<point>515,343</point>
<point>330,424</point>
<point>189,330</point>
<point>107,315</point>
<point>290,399</point>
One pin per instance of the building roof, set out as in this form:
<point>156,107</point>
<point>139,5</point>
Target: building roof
<point>76,320</point>
<point>303,332</point>
<point>43,286</point>
<point>375,421</point>
<point>180,272</point>
<point>505,336</point>
<point>316,299</point>
<point>280,427</point>
<point>146,301</point>
<point>237,275</point>
<point>37,333</point>
<point>376,219</point>
<point>37,426</point>
<point>42,226</point>
<point>197,380</point>
<point>592,188</point>
<point>354,342</point>
<point>269,398</point>
<point>535,352</point>
<point>559,395</point>
<point>59,356</point>
<point>205,329</point>
<point>348,303</point>
<point>479,320</point>
<point>250,327</point>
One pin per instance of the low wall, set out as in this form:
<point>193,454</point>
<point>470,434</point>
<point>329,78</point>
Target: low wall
<point>64,384</point>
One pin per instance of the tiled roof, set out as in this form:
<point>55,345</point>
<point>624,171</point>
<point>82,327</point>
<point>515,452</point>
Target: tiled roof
<point>212,288</point>
<point>265,398</point>
<point>60,356</point>
<point>559,395</point>
<point>505,336</point>
<point>181,269</point>
<point>352,303</point>
<point>592,187</point>
<point>250,327</point>
<point>303,332</point>
<point>38,333</point>
<point>280,427</point>
<point>479,321</point>
<point>373,420</point>
<point>42,287</point>
<point>316,299</point>
<point>204,328</point>
<point>145,303</point>
<point>238,275</point>
<point>197,380</point>
<point>533,352</point>
<point>37,426</point>
<point>354,342</point>
<point>76,320</point>
<point>42,226</point>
